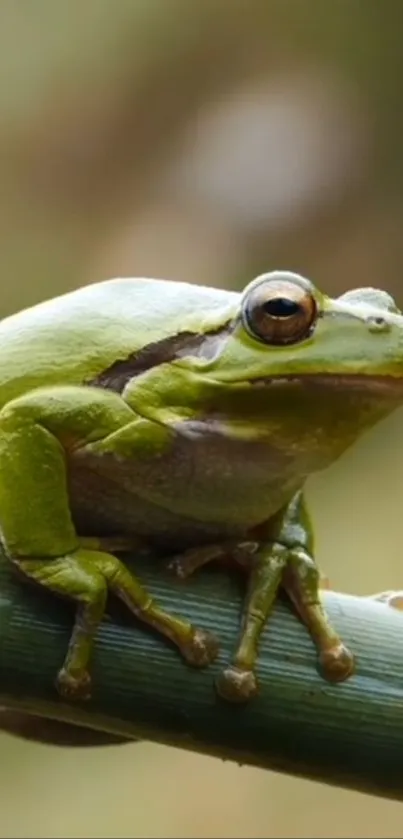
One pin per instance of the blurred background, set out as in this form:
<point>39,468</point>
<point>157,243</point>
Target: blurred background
<point>207,142</point>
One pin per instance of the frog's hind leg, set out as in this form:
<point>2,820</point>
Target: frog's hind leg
<point>85,576</point>
<point>37,528</point>
<point>76,578</point>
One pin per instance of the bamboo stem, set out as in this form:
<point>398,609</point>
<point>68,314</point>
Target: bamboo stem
<point>348,735</point>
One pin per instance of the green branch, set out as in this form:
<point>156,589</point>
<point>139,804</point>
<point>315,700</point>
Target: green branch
<point>349,735</point>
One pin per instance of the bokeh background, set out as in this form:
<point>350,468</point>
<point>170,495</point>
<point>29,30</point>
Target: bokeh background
<point>207,142</point>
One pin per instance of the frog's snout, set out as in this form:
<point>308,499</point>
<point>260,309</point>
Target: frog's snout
<point>378,323</point>
<point>375,308</point>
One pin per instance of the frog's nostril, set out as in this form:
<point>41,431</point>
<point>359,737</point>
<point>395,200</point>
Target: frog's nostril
<point>378,323</point>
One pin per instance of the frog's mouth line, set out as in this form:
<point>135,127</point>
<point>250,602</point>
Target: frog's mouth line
<point>383,385</point>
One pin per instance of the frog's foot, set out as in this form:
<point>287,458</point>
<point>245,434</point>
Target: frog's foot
<point>393,599</point>
<point>185,564</point>
<point>336,662</point>
<point>200,649</point>
<point>236,684</point>
<point>301,581</point>
<point>74,686</point>
<point>86,576</point>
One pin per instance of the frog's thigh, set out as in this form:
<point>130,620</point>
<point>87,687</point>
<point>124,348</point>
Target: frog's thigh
<point>36,523</point>
<point>35,431</point>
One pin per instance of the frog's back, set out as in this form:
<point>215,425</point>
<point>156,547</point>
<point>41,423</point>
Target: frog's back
<point>74,337</point>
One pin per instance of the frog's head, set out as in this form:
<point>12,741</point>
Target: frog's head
<point>284,329</point>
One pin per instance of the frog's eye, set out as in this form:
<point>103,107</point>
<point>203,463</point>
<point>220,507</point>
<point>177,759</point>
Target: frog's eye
<point>279,311</point>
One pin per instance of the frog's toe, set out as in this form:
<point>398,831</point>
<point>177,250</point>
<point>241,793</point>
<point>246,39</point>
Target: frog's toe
<point>337,663</point>
<point>202,648</point>
<point>74,687</point>
<point>236,684</point>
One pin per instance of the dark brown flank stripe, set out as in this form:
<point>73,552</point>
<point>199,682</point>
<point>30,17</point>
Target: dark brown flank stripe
<point>203,345</point>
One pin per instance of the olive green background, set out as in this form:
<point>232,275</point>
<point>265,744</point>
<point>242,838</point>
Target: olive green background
<point>207,142</point>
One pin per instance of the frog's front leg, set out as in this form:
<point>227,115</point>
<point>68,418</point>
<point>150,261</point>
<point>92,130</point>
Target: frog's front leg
<point>36,432</point>
<point>286,559</point>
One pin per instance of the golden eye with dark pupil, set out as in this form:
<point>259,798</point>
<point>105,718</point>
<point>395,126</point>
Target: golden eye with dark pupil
<point>279,312</point>
<point>280,307</point>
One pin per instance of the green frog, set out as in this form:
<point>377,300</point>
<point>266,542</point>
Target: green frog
<point>185,420</point>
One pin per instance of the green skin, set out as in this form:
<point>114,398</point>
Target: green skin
<point>147,412</point>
